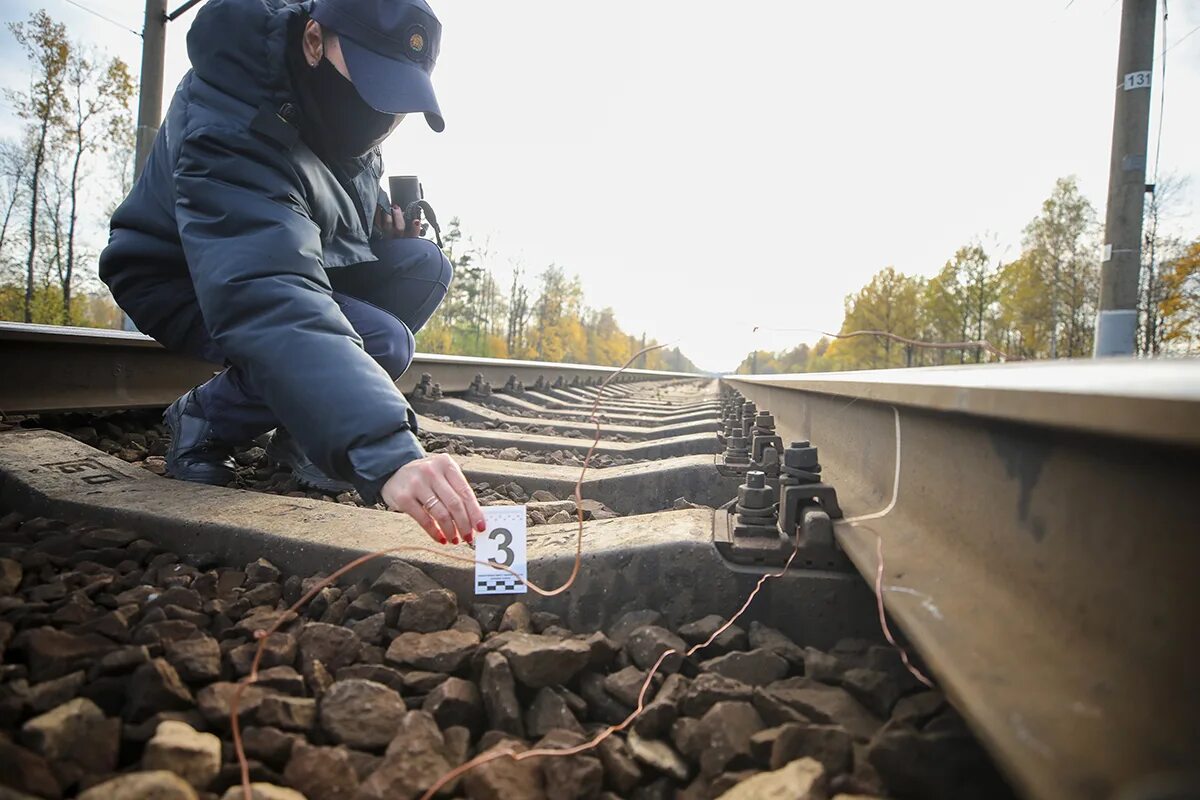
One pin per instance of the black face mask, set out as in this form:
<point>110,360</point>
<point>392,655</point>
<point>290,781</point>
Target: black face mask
<point>338,123</point>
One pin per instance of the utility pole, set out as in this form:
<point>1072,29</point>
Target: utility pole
<point>1117,321</point>
<point>154,48</point>
<point>154,54</point>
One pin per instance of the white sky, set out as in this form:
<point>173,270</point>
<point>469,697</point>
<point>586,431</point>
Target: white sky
<point>706,168</point>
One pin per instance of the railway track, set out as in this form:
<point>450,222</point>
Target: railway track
<point>1038,558</point>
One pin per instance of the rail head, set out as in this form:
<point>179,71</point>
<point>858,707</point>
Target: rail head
<point>1038,541</point>
<point>58,368</point>
<point>1154,400</point>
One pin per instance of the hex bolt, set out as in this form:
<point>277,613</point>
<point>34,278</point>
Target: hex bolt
<point>756,500</point>
<point>736,449</point>
<point>426,389</point>
<point>749,411</point>
<point>480,386</point>
<point>801,455</point>
<point>764,421</point>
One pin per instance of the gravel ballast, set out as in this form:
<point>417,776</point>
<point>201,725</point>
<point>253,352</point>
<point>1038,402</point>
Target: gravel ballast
<point>120,661</point>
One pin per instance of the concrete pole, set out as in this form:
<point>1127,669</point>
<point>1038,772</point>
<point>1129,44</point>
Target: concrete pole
<point>154,46</point>
<point>1116,323</point>
<point>154,53</point>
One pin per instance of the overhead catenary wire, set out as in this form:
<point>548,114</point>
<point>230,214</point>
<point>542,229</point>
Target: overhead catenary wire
<point>104,17</point>
<point>1162,98</point>
<point>1181,39</point>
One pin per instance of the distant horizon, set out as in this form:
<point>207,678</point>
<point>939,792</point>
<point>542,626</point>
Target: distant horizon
<point>677,163</point>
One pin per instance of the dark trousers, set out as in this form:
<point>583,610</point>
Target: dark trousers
<point>385,301</point>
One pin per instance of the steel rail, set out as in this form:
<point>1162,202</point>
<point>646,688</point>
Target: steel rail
<point>1040,550</point>
<point>50,368</point>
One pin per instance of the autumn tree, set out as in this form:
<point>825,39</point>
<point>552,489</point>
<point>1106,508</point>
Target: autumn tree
<point>889,303</point>
<point>98,98</point>
<point>1023,320</point>
<point>14,166</point>
<point>519,312</point>
<point>670,359</point>
<point>1041,304</point>
<point>1179,302</point>
<point>944,311</point>
<point>759,362</point>
<point>1060,244</point>
<point>1161,246</point>
<point>606,342</point>
<point>44,109</point>
<point>558,333</point>
<point>76,112</point>
<point>548,321</point>
<point>784,362</point>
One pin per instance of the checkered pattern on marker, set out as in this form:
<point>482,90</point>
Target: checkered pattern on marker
<point>503,543</point>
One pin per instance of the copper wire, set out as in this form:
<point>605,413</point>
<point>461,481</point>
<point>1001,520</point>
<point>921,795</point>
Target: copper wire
<point>545,752</point>
<point>980,343</point>
<point>292,612</point>
<point>861,518</point>
<point>883,623</point>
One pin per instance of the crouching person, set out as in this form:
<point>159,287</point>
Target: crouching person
<point>257,237</point>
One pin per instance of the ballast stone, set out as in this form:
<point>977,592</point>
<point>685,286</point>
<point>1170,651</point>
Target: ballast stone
<point>155,785</point>
<point>361,714</point>
<point>179,748</point>
<point>539,660</point>
<point>803,779</point>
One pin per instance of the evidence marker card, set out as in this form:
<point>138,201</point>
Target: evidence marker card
<point>503,543</point>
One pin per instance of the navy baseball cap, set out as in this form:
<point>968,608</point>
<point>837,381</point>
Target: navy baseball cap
<point>390,48</point>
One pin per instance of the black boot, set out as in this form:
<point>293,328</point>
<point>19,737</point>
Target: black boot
<point>285,450</point>
<point>195,454</point>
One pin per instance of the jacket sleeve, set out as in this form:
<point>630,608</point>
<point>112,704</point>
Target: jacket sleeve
<point>254,254</point>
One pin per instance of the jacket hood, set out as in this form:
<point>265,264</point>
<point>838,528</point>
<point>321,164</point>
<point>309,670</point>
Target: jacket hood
<point>240,47</point>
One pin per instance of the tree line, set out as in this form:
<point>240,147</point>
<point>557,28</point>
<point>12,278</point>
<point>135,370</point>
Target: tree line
<point>69,166</point>
<point>1042,304</point>
<point>548,322</point>
<point>72,163</point>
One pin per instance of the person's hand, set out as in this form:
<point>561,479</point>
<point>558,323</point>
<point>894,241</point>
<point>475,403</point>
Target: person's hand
<point>433,491</point>
<point>394,226</point>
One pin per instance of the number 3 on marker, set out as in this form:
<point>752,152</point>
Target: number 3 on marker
<point>504,547</point>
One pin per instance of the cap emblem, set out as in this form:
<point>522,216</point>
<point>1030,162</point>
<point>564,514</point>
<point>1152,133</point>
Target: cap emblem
<point>417,42</point>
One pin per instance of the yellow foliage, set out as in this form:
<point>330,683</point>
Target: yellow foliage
<point>87,310</point>
<point>1180,304</point>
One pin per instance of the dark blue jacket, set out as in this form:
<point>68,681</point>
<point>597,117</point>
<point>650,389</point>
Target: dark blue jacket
<point>236,218</point>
